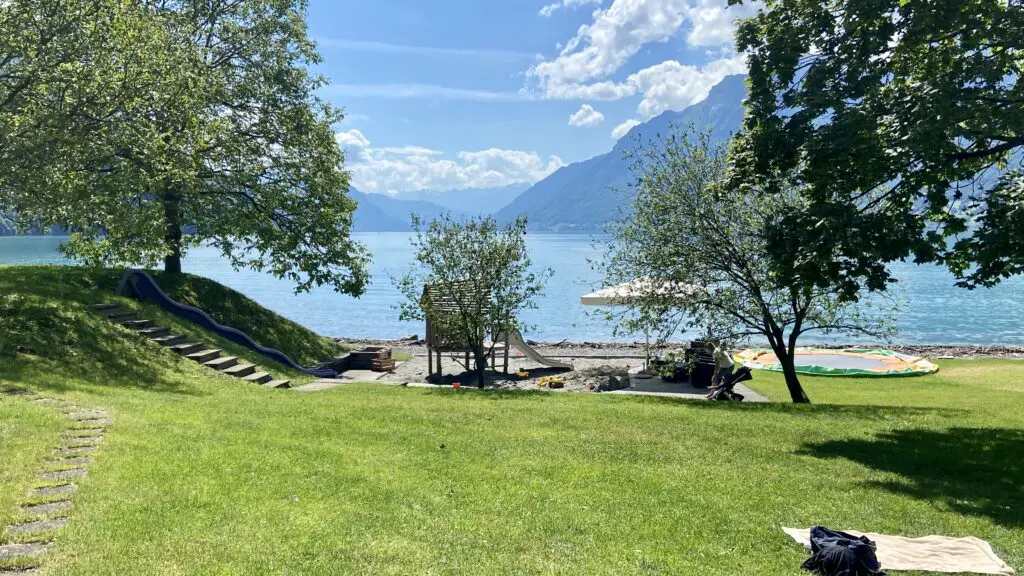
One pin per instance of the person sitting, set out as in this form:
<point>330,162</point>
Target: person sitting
<point>724,365</point>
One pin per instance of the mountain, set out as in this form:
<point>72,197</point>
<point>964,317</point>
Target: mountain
<point>587,195</point>
<point>383,213</point>
<point>473,201</point>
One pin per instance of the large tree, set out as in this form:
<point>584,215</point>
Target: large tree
<point>697,253</point>
<point>902,122</point>
<point>74,76</point>
<point>231,146</point>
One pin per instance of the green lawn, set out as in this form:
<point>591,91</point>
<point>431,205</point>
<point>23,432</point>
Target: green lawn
<point>27,433</point>
<point>205,474</point>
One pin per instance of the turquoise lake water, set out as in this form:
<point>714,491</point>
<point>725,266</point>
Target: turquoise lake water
<point>933,310</point>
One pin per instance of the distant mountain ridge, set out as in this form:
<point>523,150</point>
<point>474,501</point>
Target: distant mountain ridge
<point>383,213</point>
<point>587,195</point>
<point>473,201</point>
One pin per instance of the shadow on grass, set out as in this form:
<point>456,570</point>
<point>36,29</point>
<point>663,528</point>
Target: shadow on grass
<point>859,411</point>
<point>49,337</point>
<point>974,471</point>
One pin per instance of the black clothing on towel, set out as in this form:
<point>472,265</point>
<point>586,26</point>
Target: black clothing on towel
<point>836,553</point>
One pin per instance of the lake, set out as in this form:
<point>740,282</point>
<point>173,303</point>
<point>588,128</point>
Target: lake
<point>933,310</point>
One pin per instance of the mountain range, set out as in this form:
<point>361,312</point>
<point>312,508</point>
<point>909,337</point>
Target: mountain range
<point>587,195</point>
<point>579,197</point>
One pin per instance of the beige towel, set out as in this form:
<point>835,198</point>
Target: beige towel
<point>927,554</point>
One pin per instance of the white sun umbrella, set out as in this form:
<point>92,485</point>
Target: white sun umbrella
<point>626,293</point>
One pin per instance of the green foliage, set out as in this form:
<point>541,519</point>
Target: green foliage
<point>701,253</point>
<point>479,276</point>
<point>167,124</point>
<point>895,118</point>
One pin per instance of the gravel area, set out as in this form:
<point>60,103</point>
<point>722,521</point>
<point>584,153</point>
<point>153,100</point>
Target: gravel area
<point>562,350</point>
<point>598,367</point>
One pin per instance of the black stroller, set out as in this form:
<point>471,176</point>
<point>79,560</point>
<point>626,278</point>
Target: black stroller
<point>724,390</point>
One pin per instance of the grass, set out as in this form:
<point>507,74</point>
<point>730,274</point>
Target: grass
<point>203,475</point>
<point>27,433</point>
<point>73,285</point>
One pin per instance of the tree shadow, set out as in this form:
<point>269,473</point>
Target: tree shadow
<point>974,471</point>
<point>49,338</point>
<point>867,412</point>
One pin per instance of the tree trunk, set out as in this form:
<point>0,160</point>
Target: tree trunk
<point>796,391</point>
<point>173,235</point>
<point>480,356</point>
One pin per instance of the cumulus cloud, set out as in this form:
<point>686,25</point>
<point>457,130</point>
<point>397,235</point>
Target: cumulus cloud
<point>585,117</point>
<point>406,168</point>
<point>601,48</point>
<point>352,140</point>
<point>624,128</point>
<point>550,9</point>
<point>673,86</point>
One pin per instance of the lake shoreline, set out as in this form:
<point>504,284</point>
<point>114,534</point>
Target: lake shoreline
<point>416,346</point>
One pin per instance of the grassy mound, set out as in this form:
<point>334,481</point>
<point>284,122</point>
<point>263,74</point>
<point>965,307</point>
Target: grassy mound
<point>46,298</point>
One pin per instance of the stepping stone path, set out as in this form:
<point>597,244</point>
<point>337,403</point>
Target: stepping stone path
<point>48,503</point>
<point>196,351</point>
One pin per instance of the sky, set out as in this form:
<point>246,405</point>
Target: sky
<point>455,94</point>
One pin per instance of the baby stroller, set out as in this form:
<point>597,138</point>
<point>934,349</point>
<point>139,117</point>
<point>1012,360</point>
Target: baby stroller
<point>724,390</point>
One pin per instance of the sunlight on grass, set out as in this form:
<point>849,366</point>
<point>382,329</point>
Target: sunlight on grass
<point>387,480</point>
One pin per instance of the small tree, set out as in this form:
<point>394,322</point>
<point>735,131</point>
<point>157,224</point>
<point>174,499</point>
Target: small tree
<point>484,273</point>
<point>702,252</point>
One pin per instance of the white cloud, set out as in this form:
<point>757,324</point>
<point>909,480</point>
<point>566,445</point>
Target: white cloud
<point>712,22</point>
<point>666,86</point>
<point>550,9</point>
<point>624,128</point>
<point>585,117</point>
<point>406,91</point>
<point>673,86</point>
<point>352,140</point>
<point>604,46</point>
<point>408,168</point>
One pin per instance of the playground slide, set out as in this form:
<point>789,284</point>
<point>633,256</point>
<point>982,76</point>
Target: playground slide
<point>143,287</point>
<point>515,340</point>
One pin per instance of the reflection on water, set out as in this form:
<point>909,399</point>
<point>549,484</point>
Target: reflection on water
<point>933,310</point>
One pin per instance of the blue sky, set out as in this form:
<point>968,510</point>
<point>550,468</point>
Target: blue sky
<point>485,93</point>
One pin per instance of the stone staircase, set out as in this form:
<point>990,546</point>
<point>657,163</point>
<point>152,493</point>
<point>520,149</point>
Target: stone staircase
<point>197,351</point>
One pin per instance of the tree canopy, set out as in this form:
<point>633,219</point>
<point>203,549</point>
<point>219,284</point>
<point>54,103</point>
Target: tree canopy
<point>195,122</point>
<point>700,251</point>
<point>483,274</point>
<point>902,124</point>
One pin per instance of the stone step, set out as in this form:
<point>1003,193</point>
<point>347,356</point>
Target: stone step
<point>222,363</point>
<point>187,347</point>
<point>121,315</point>
<point>258,377</point>
<point>155,332</point>
<point>170,340</point>
<point>279,384</point>
<point>8,551</point>
<point>204,356</point>
<point>47,509</point>
<point>240,370</point>
<point>61,490</point>
<point>138,324</point>
<point>104,306</point>
<point>37,527</point>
